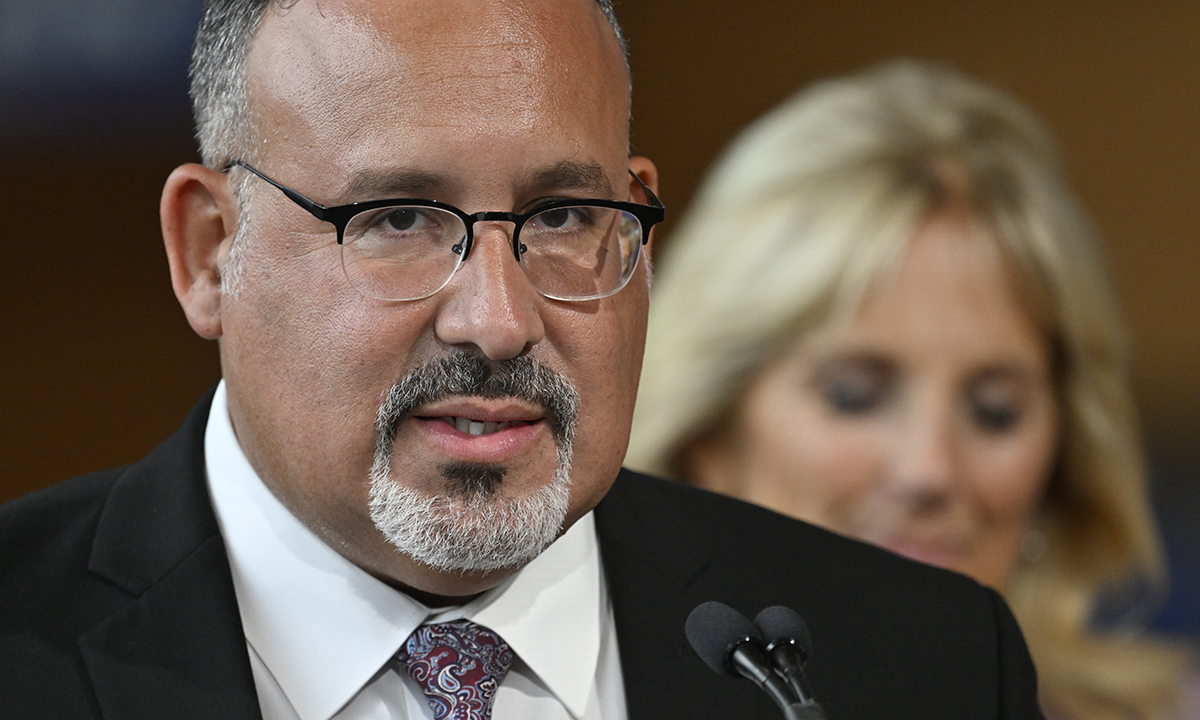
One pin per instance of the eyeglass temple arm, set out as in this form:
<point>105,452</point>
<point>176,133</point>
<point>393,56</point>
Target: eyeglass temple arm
<point>315,208</point>
<point>654,201</point>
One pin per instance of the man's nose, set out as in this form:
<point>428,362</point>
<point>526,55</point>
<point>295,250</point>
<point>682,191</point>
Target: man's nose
<point>489,304</point>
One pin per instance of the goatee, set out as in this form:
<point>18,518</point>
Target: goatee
<point>472,527</point>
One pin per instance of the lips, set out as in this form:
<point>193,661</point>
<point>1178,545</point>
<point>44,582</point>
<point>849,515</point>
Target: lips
<point>479,416</point>
<point>479,427</point>
<point>474,429</point>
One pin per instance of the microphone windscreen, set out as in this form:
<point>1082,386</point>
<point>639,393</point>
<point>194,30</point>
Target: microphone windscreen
<point>713,628</point>
<point>781,623</point>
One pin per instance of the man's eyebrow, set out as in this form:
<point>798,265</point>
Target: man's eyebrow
<point>572,175</point>
<point>373,184</point>
<point>392,183</point>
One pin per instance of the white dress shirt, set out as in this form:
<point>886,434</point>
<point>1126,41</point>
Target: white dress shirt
<point>322,633</point>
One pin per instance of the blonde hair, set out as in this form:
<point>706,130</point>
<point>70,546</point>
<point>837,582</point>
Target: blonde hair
<point>806,208</point>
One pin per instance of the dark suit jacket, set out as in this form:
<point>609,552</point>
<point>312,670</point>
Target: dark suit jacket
<point>116,601</point>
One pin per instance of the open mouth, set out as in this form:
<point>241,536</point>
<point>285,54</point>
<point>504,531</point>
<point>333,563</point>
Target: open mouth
<point>469,426</point>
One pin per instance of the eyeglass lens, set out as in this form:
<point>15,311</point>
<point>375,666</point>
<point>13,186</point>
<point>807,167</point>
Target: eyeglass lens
<point>568,253</point>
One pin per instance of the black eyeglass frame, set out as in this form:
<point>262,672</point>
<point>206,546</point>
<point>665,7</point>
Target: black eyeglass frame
<point>340,215</point>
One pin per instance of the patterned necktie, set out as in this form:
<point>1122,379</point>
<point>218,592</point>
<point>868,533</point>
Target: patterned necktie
<point>458,665</point>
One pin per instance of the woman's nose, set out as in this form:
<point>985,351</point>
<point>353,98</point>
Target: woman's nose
<point>925,461</point>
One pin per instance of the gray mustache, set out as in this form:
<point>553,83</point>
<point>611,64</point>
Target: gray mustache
<point>462,373</point>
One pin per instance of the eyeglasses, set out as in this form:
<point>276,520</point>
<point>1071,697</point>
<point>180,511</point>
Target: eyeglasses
<point>409,249</point>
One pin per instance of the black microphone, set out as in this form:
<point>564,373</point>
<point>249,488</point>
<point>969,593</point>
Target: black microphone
<point>731,645</point>
<point>789,649</point>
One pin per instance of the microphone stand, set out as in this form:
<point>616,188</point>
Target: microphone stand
<point>750,661</point>
<point>786,660</point>
<point>732,646</point>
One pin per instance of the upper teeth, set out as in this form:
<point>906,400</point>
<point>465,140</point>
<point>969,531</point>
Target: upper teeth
<point>476,427</point>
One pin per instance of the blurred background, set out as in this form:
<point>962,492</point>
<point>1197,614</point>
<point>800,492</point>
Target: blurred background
<point>101,365</point>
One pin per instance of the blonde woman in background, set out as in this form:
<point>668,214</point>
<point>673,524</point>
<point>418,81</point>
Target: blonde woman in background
<point>886,314</point>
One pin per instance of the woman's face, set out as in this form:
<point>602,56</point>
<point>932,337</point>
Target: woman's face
<point>927,424</point>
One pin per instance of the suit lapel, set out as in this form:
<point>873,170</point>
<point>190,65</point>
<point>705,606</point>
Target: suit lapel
<point>657,570</point>
<point>176,649</point>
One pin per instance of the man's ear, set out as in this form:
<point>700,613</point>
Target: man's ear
<point>199,220</point>
<point>647,173</point>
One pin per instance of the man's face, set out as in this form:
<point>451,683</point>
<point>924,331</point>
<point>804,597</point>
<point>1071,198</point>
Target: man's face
<point>487,105</point>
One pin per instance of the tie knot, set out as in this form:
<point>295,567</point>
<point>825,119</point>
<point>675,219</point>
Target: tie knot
<point>458,665</point>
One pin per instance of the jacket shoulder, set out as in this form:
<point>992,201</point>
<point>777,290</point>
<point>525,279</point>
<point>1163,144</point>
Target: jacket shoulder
<point>116,597</point>
<point>890,636</point>
<point>51,528</point>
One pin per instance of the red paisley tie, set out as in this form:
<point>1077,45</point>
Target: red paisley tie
<point>458,665</point>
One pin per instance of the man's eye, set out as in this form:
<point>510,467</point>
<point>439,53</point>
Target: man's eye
<point>404,220</point>
<point>568,218</point>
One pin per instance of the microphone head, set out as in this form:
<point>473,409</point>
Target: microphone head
<point>713,629</point>
<point>783,623</point>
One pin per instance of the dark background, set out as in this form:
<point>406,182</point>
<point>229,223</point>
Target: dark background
<point>99,363</point>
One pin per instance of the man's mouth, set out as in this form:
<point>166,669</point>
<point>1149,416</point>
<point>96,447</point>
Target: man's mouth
<point>479,431</point>
<point>479,427</point>
<point>467,404</point>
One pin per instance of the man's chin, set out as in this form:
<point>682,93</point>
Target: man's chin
<point>469,531</point>
<point>497,504</point>
<point>475,483</point>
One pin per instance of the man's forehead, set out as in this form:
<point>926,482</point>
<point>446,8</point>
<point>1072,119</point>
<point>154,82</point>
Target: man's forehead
<point>402,92</point>
<point>459,53</point>
<point>433,31</point>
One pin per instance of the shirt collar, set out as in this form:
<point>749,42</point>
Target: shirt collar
<point>550,614</point>
<point>324,627</point>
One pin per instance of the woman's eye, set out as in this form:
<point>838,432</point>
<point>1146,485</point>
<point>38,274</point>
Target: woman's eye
<point>994,417</point>
<point>995,404</point>
<point>853,395</point>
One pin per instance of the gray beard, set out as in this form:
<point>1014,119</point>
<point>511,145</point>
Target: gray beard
<point>471,527</point>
